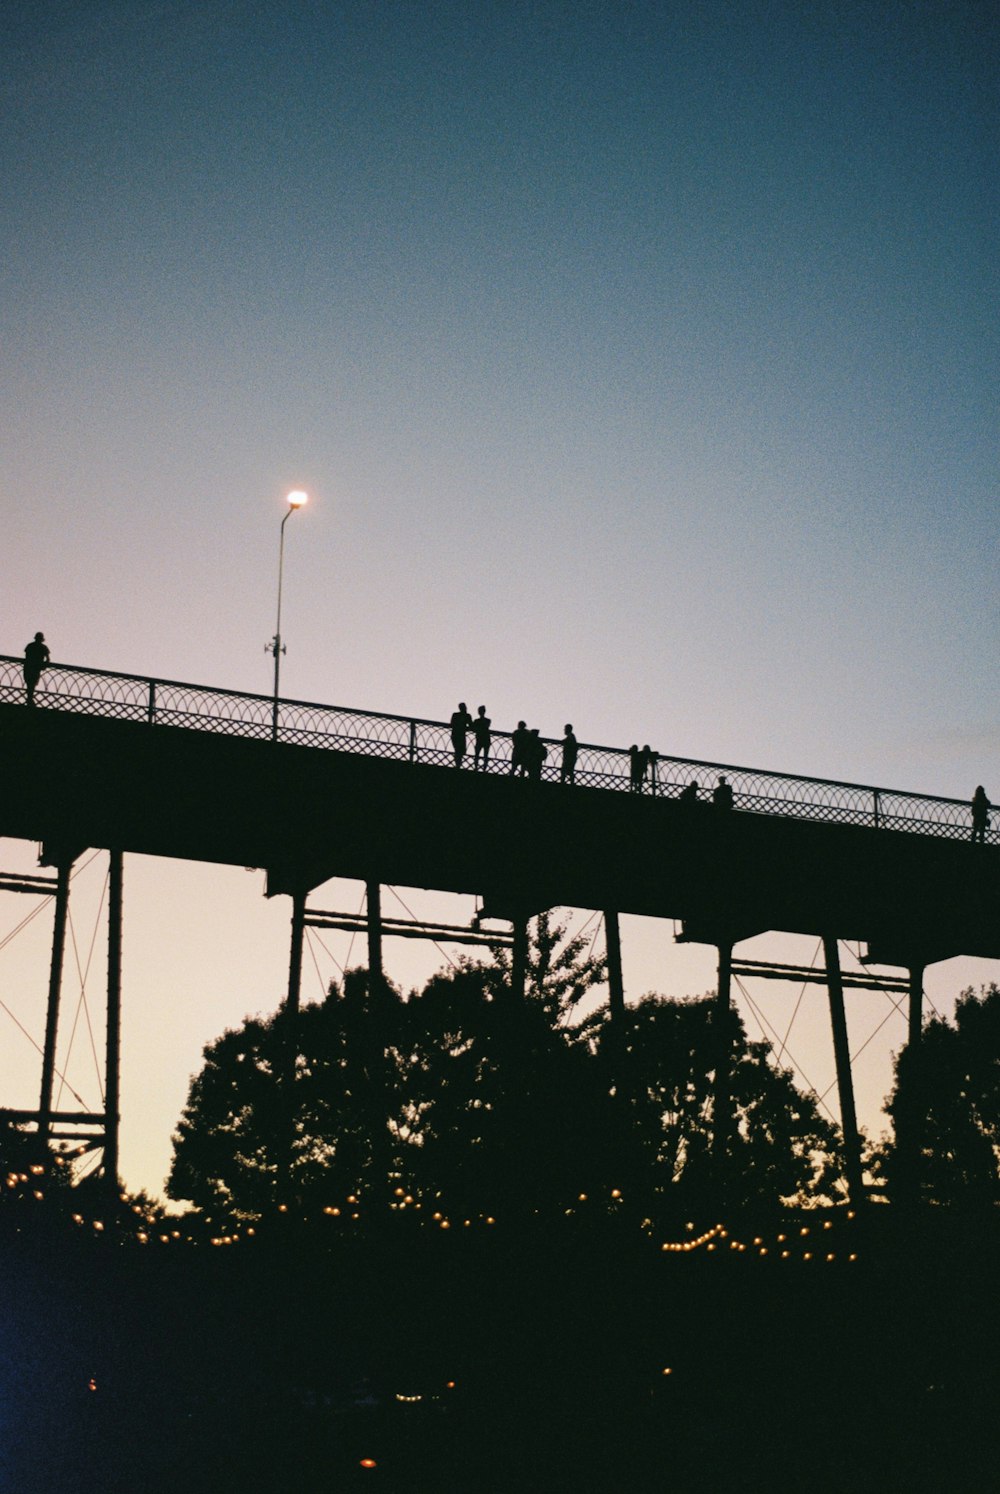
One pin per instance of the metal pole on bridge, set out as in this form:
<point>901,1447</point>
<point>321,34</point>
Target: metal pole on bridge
<point>295,501</point>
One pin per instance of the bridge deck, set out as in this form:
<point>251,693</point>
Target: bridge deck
<point>178,770</point>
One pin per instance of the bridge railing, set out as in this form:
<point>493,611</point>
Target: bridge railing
<point>169,703</point>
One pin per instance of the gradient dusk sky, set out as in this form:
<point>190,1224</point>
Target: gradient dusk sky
<point>641,363</point>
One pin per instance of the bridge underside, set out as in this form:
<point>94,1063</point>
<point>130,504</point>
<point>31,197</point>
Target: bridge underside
<point>72,781</point>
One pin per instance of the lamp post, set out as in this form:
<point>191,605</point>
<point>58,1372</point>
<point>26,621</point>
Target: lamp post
<point>295,500</point>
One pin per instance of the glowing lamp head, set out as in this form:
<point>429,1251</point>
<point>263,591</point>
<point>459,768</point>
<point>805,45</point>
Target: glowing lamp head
<point>298,499</point>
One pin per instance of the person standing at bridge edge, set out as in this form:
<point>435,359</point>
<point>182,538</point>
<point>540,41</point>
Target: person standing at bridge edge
<point>567,772</point>
<point>981,807</point>
<point>519,749</point>
<point>482,738</point>
<point>36,658</point>
<point>722,794</point>
<point>536,752</point>
<point>461,725</point>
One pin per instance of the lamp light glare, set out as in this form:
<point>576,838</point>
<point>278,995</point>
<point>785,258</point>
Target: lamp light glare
<point>298,499</point>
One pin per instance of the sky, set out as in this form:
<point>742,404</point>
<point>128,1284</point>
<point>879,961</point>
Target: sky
<point>640,361</point>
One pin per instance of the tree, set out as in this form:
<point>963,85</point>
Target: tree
<point>487,1104</point>
<point>946,1096</point>
<point>454,1090</point>
<point>781,1148</point>
<point>240,1147</point>
<point>508,1113</point>
<point>560,970</point>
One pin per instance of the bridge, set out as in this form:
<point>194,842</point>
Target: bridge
<point>309,792</point>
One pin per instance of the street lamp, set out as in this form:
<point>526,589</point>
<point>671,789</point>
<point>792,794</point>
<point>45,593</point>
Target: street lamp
<point>295,500</point>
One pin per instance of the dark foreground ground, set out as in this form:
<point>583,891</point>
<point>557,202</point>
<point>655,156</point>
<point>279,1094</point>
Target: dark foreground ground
<point>486,1363</point>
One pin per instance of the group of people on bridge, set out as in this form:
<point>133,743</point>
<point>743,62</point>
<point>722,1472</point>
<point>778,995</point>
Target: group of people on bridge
<point>528,752</point>
<point>528,755</point>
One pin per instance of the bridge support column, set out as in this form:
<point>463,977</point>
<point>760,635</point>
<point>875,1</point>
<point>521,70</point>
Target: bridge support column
<point>519,958</point>
<point>373,891</point>
<point>722,1101</point>
<point>845,1080</point>
<point>55,988</point>
<point>910,1125</point>
<point>289,1054</point>
<point>376,1038</point>
<point>616,999</point>
<point>295,951</point>
<point>112,1065</point>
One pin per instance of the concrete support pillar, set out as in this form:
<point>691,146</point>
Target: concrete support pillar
<point>112,1066</point>
<point>55,988</point>
<point>845,1080</point>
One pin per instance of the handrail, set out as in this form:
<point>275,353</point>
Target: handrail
<point>174,703</point>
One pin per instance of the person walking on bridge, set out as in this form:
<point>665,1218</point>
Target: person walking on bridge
<point>36,658</point>
<point>461,725</point>
<point>981,807</point>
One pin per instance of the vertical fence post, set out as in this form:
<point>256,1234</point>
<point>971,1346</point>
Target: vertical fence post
<point>877,806</point>
<point>413,741</point>
<point>151,705</point>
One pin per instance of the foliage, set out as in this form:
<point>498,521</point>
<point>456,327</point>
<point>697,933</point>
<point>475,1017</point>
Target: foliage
<point>491,1105</point>
<point>32,1172</point>
<point>560,970</point>
<point>237,1131</point>
<point>950,1088</point>
<point>780,1147</point>
<point>507,1112</point>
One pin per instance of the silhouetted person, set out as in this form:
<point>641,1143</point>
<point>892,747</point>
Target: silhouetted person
<point>647,761</point>
<point>461,724</point>
<point>635,769</point>
<point>689,795</point>
<point>722,794</point>
<point>481,737</point>
<point>537,753</point>
<point>981,807</point>
<point>519,749</point>
<point>567,772</point>
<point>36,658</point>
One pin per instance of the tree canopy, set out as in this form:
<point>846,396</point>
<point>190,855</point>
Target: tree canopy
<point>780,1146</point>
<point>948,1091</point>
<point>463,1094</point>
